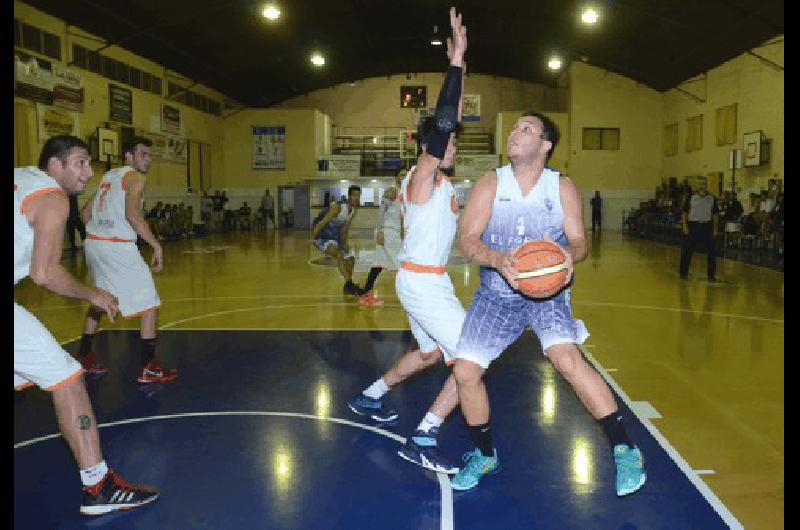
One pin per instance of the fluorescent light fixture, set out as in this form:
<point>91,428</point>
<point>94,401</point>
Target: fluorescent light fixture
<point>343,180</point>
<point>554,63</point>
<point>374,180</point>
<point>435,39</point>
<point>271,12</point>
<point>317,59</point>
<point>589,16</point>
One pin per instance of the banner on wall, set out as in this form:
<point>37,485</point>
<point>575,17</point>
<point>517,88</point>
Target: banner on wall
<point>67,89</point>
<point>33,78</point>
<point>167,148</point>
<point>52,121</point>
<point>340,166</point>
<point>269,147</point>
<point>170,119</point>
<point>120,102</point>
<point>472,107</point>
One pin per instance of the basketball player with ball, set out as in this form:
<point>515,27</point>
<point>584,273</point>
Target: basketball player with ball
<point>523,224</point>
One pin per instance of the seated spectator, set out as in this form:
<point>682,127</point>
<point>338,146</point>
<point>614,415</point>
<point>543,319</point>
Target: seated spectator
<point>244,217</point>
<point>189,227</point>
<point>733,209</point>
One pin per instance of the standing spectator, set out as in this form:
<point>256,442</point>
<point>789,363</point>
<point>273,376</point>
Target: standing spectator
<point>74,222</point>
<point>597,206</point>
<point>268,205</point>
<point>700,222</point>
<point>218,201</point>
<point>205,209</point>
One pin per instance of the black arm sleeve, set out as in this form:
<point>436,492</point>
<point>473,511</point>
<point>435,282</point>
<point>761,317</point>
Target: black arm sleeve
<point>446,112</point>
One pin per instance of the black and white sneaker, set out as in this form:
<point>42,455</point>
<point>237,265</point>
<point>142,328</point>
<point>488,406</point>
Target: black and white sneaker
<point>113,493</point>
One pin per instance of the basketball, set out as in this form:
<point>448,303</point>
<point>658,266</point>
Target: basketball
<point>542,268</point>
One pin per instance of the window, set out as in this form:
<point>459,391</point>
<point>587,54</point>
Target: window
<point>596,138</point>
<point>726,125</point>
<point>51,45</point>
<point>135,78</point>
<point>31,38</point>
<point>109,67</point>
<point>694,133</point>
<point>123,73</point>
<point>671,139</point>
<point>95,65</point>
<point>155,85</point>
<point>79,56</point>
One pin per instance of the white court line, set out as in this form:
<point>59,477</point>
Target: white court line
<point>444,481</point>
<point>317,297</point>
<point>705,471</point>
<point>701,486</point>
<point>676,310</point>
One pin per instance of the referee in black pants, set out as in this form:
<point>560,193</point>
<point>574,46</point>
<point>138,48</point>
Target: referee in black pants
<point>700,220</point>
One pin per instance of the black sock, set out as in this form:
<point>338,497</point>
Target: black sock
<point>482,438</point>
<point>615,429</point>
<point>373,275</point>
<point>86,345</point>
<point>349,283</point>
<point>148,350</point>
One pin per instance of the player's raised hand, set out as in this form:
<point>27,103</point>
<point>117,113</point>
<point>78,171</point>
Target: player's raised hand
<point>457,44</point>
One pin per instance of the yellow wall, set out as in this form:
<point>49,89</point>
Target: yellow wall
<point>757,90</point>
<point>197,126</point>
<point>599,98</point>
<point>375,102</point>
<point>301,160</point>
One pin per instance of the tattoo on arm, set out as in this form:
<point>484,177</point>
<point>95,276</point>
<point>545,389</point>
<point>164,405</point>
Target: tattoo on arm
<point>84,422</point>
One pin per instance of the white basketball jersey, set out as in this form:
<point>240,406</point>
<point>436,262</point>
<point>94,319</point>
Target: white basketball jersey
<point>29,182</point>
<point>108,209</point>
<point>431,227</point>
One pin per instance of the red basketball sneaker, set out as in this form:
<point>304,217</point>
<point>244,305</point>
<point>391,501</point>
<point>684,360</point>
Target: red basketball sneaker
<point>91,366</point>
<point>153,372</point>
<point>113,493</point>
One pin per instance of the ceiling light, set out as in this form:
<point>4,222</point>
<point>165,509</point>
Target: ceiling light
<point>317,59</point>
<point>271,12</point>
<point>554,63</point>
<point>343,180</point>
<point>374,180</point>
<point>589,16</point>
<point>435,39</point>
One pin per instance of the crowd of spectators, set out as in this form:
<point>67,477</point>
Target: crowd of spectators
<point>756,225</point>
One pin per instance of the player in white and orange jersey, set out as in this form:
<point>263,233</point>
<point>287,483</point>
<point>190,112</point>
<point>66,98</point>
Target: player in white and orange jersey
<point>113,218</point>
<point>40,214</point>
<point>435,315</point>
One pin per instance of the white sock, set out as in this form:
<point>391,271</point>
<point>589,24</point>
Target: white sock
<point>94,474</point>
<point>377,389</point>
<point>429,421</point>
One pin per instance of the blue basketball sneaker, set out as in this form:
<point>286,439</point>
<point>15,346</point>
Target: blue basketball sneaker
<point>367,406</point>
<point>630,469</point>
<point>477,466</point>
<point>421,449</point>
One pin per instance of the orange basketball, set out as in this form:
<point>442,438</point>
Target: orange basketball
<point>542,269</point>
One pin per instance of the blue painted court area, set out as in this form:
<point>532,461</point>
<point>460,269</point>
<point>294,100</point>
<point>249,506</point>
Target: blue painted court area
<point>256,433</point>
